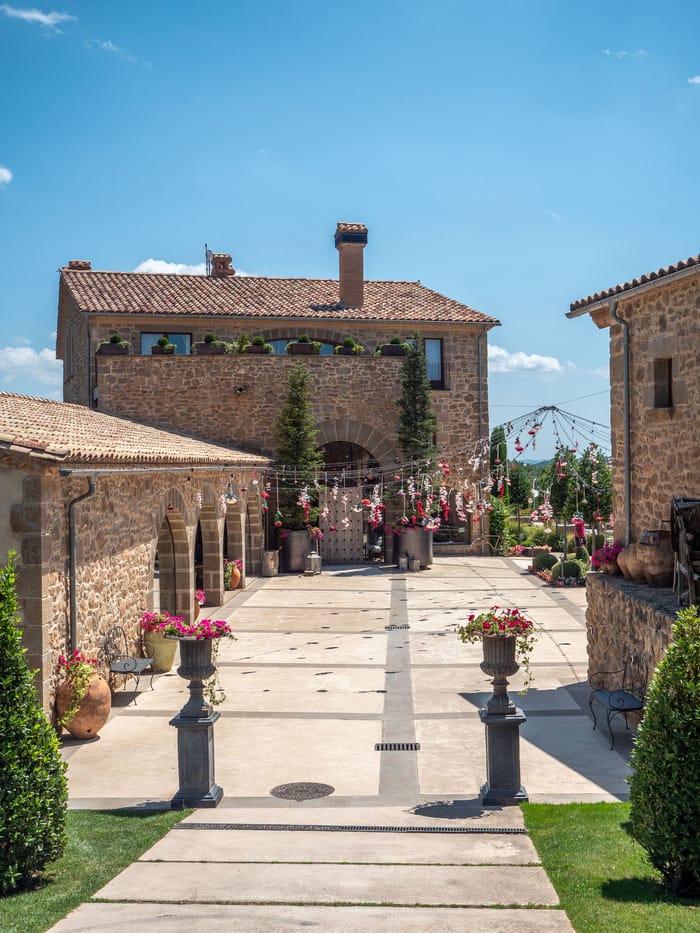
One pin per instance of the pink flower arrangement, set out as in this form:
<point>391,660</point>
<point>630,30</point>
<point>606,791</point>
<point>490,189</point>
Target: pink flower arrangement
<point>606,554</point>
<point>200,596</point>
<point>75,662</point>
<point>156,621</point>
<point>201,629</point>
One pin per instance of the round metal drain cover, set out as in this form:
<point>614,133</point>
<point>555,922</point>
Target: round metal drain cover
<point>302,791</point>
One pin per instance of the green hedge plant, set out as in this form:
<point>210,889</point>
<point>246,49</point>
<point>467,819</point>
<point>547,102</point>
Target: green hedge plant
<point>665,783</point>
<point>33,788</point>
<point>566,569</point>
<point>543,562</point>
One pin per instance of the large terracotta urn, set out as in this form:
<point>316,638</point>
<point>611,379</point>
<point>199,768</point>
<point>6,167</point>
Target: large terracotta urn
<point>93,711</point>
<point>235,577</point>
<point>655,552</point>
<point>635,568</point>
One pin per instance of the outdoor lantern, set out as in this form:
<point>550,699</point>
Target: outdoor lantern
<point>230,495</point>
<point>312,564</point>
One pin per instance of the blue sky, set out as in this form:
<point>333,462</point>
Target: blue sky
<point>515,156</point>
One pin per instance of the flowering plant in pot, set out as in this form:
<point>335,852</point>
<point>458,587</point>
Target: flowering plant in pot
<point>232,573</point>
<point>605,558</point>
<point>152,626</point>
<point>83,699</point>
<point>499,625</point>
<point>199,650</point>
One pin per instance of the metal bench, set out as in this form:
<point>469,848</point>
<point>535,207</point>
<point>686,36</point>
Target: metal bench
<point>620,691</point>
<point>115,653</point>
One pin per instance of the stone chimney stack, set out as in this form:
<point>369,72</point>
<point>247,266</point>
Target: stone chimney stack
<point>350,240</point>
<point>221,264</point>
<point>82,265</point>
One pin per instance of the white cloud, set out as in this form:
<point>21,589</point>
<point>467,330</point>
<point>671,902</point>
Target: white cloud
<point>162,267</point>
<point>49,20</point>
<point>6,176</point>
<point>25,363</point>
<point>555,215</point>
<point>106,45</point>
<point>623,53</point>
<point>694,80</point>
<point>502,361</point>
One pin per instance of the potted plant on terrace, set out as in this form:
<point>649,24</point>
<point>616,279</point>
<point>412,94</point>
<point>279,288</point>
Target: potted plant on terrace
<point>258,345</point>
<point>162,651</point>
<point>210,346</point>
<point>232,573</point>
<point>115,346</point>
<point>163,346</point>
<point>304,345</point>
<point>349,347</point>
<point>395,347</point>
<point>83,699</point>
<point>507,639</point>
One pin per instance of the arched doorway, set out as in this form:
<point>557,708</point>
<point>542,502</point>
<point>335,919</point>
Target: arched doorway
<point>174,566</point>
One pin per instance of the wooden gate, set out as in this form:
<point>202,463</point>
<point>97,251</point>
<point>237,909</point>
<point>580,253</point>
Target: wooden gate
<point>346,545</point>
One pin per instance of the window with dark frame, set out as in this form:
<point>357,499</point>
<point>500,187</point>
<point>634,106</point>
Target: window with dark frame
<point>433,360</point>
<point>663,383</point>
<point>183,342</point>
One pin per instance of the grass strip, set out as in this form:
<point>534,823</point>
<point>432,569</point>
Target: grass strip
<point>601,874</point>
<point>101,843</point>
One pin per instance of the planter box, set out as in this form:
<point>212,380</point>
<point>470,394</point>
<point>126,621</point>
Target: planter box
<point>346,351</point>
<point>392,349</point>
<point>209,349</point>
<point>161,351</point>
<point>112,349</point>
<point>301,349</point>
<point>255,349</point>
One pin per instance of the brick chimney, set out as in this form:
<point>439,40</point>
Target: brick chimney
<point>82,265</point>
<point>350,240</point>
<point>221,264</point>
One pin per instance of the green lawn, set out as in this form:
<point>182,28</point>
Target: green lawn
<point>100,844</point>
<point>600,873</point>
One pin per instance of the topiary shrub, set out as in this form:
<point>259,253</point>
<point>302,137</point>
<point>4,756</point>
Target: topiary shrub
<point>582,554</point>
<point>32,776</point>
<point>498,521</point>
<point>543,562</point>
<point>665,783</point>
<point>538,536</point>
<point>566,569</point>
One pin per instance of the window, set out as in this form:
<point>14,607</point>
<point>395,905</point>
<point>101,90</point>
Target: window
<point>663,383</point>
<point>183,342</point>
<point>433,359</point>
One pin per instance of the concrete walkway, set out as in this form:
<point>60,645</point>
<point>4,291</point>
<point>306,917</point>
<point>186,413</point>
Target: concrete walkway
<point>324,669</point>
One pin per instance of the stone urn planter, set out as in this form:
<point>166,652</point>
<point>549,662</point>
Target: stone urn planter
<point>161,649</point>
<point>93,710</point>
<point>499,663</point>
<point>196,666</point>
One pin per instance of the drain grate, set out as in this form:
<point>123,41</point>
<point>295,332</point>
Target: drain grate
<point>304,790</point>
<point>391,628</point>
<point>397,747</point>
<point>330,828</point>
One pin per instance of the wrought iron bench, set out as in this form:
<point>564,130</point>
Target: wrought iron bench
<point>620,691</point>
<point>115,653</point>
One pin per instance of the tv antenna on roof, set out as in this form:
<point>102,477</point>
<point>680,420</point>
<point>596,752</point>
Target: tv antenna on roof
<point>207,258</point>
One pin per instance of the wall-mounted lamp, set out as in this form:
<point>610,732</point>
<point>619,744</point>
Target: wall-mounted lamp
<point>239,390</point>
<point>230,494</point>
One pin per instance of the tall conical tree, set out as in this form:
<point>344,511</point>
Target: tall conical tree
<point>417,422</point>
<point>297,457</point>
<point>32,776</point>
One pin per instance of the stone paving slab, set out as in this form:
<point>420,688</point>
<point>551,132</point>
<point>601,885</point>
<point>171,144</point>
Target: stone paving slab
<point>323,648</point>
<point>199,883</point>
<point>240,845</point>
<point>309,619</point>
<point>215,918</point>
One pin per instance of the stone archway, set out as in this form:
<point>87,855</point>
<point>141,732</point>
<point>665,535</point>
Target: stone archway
<point>174,564</point>
<point>212,566</point>
<point>373,440</point>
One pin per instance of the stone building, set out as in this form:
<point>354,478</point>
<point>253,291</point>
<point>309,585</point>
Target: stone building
<point>654,328</point>
<point>234,398</point>
<point>109,518</point>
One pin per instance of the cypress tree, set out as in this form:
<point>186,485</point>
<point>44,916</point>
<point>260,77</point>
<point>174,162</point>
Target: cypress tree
<point>417,422</point>
<point>33,789</point>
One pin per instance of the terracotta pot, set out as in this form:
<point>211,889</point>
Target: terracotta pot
<point>656,554</point>
<point>93,710</point>
<point>161,649</point>
<point>622,564</point>
<point>610,566</point>
<point>235,578</point>
<point>634,564</point>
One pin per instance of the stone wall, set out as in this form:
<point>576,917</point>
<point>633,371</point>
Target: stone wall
<point>664,324</point>
<point>353,396</point>
<point>116,533</point>
<point>624,617</point>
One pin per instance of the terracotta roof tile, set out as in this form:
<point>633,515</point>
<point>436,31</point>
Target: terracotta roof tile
<point>256,297</point>
<point>634,283</point>
<point>72,433</point>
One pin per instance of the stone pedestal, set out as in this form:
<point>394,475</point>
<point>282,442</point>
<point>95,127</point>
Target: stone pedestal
<point>195,762</point>
<point>503,787</point>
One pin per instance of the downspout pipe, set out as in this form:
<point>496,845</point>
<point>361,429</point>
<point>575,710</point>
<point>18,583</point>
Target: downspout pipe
<point>73,560</point>
<point>627,469</point>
